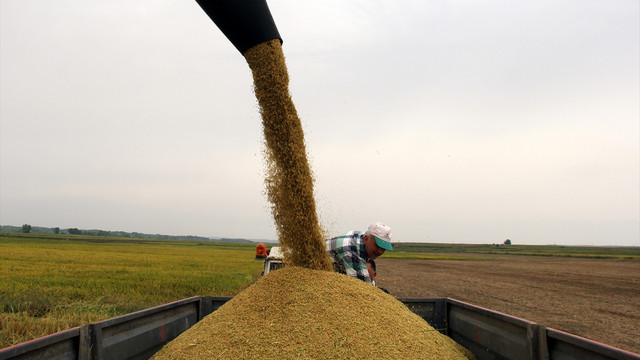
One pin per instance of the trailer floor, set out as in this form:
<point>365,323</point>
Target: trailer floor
<point>595,299</point>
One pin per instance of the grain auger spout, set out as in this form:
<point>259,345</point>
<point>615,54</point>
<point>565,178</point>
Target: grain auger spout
<point>245,23</point>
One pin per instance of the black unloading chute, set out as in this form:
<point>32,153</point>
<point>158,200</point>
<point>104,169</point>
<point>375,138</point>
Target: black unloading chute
<point>246,23</point>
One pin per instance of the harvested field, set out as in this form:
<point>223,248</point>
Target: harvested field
<point>596,299</point>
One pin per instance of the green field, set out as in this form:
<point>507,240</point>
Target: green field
<point>50,283</point>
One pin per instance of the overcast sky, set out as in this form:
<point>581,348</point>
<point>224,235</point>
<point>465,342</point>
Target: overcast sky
<point>451,121</point>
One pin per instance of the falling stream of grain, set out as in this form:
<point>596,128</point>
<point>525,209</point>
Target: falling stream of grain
<point>289,181</point>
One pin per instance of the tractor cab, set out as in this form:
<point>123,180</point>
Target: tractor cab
<point>273,258</point>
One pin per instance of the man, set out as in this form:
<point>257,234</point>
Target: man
<point>351,251</point>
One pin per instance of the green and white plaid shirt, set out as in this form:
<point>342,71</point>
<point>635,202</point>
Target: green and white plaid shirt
<point>349,256</point>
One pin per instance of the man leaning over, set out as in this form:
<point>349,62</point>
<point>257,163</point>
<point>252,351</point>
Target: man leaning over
<point>351,251</point>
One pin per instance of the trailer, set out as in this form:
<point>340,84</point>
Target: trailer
<point>488,334</point>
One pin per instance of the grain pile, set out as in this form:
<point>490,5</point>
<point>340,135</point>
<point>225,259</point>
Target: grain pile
<point>289,182</point>
<point>299,313</point>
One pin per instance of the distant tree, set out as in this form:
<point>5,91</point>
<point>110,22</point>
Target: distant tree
<point>26,228</point>
<point>507,242</point>
<point>75,231</point>
<point>56,230</point>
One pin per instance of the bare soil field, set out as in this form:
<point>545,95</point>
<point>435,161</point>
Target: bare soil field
<point>595,299</point>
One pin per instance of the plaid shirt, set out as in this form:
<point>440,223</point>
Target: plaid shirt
<point>349,256</point>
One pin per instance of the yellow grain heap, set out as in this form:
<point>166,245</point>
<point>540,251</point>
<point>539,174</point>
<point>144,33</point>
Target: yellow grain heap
<point>299,313</point>
<point>289,182</point>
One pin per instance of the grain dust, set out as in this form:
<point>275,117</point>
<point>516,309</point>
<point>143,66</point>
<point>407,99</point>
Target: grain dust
<point>300,313</point>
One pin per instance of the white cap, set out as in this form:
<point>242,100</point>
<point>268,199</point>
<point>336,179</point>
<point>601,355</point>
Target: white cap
<point>382,234</point>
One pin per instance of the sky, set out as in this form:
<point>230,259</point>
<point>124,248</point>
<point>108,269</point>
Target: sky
<point>450,121</point>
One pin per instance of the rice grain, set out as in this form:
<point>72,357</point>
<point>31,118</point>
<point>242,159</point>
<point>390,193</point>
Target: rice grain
<point>299,313</point>
<point>289,181</point>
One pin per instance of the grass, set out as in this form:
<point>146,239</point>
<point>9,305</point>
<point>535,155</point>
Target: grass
<point>52,283</point>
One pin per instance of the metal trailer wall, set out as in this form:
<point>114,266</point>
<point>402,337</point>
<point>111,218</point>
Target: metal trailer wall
<point>132,336</point>
<point>488,334</point>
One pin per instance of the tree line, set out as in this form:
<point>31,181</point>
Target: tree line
<point>28,229</point>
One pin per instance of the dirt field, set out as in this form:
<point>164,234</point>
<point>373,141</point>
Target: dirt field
<point>595,299</point>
